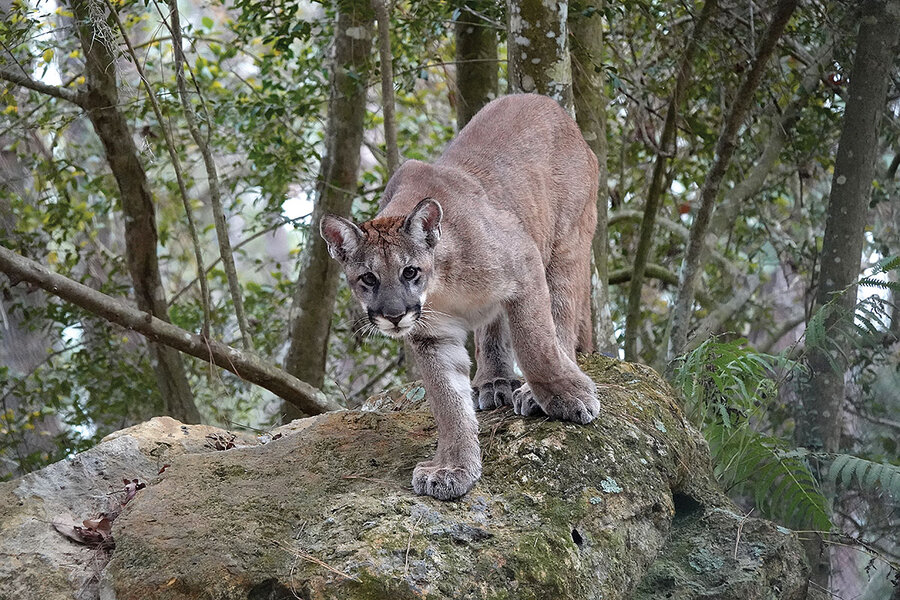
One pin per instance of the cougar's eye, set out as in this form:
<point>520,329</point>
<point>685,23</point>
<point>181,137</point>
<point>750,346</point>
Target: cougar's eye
<point>368,278</point>
<point>410,273</point>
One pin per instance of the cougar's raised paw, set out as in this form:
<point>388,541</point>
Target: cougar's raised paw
<point>444,482</point>
<point>494,394</point>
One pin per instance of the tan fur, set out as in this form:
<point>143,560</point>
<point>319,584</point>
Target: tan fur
<point>517,189</point>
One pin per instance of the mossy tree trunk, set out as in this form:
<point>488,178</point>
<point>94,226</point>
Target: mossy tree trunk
<point>313,303</point>
<point>820,418</point>
<point>538,50</point>
<point>589,90</point>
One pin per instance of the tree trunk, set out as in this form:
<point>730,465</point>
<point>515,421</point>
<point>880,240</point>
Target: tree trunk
<point>590,108</point>
<point>101,104</point>
<point>538,50</point>
<point>692,264</point>
<point>476,63</point>
<point>657,189</point>
<point>820,418</point>
<point>313,304</point>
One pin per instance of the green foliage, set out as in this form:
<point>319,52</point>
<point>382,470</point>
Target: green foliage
<point>726,385</point>
<point>866,474</point>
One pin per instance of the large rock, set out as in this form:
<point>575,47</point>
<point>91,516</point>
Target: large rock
<point>622,508</point>
<point>37,562</point>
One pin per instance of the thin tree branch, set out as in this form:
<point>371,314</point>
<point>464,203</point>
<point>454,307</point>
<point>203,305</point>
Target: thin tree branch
<point>215,195</point>
<point>677,228</point>
<point>753,182</point>
<point>782,331</point>
<point>245,365</point>
<point>713,323</point>
<point>23,80</point>
<point>651,270</point>
<point>656,189</point>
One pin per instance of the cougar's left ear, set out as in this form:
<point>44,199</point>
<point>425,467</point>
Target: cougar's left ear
<point>342,236</point>
<point>424,222</point>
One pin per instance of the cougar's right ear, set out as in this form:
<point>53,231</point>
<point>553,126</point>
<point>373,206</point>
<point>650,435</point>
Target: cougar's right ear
<point>341,235</point>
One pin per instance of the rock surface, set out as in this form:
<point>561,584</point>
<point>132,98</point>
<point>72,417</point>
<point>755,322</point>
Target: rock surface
<point>622,508</point>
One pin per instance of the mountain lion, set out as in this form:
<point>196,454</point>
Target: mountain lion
<point>494,236</point>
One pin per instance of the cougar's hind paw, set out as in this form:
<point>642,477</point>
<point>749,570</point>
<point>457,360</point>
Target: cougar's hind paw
<point>524,402</point>
<point>494,394</point>
<point>572,400</point>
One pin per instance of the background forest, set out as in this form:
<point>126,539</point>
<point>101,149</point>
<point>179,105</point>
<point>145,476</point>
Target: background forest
<point>178,156</point>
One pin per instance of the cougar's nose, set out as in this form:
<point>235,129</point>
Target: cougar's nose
<point>395,319</point>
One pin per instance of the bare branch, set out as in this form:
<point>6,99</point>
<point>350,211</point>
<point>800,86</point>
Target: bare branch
<point>23,80</point>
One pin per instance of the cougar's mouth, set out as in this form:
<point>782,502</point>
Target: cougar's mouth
<point>394,327</point>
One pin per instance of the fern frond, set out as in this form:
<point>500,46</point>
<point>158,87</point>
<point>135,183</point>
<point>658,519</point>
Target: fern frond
<point>868,475</point>
<point>879,283</point>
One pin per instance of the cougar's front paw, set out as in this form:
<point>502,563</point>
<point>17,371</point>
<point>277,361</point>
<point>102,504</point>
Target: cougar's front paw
<point>524,402</point>
<point>444,482</point>
<point>494,394</point>
<point>572,399</point>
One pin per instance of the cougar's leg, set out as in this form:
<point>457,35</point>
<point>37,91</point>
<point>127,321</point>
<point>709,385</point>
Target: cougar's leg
<point>555,384</point>
<point>444,365</point>
<point>569,281</point>
<point>495,377</point>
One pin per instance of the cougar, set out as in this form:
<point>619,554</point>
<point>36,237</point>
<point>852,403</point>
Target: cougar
<point>495,237</point>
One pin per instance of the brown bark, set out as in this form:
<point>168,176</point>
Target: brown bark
<point>538,50</point>
<point>692,264</point>
<point>313,303</point>
<point>588,81</point>
<point>100,102</point>
<point>476,63</point>
<point>243,364</point>
<point>819,420</point>
<point>657,188</point>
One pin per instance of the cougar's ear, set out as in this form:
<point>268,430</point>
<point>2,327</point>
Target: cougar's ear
<point>424,222</point>
<point>341,235</point>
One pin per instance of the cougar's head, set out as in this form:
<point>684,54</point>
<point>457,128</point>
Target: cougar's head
<point>388,262</point>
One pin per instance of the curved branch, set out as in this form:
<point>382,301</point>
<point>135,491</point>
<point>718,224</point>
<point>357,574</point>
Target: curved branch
<point>691,265</point>
<point>245,365</point>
